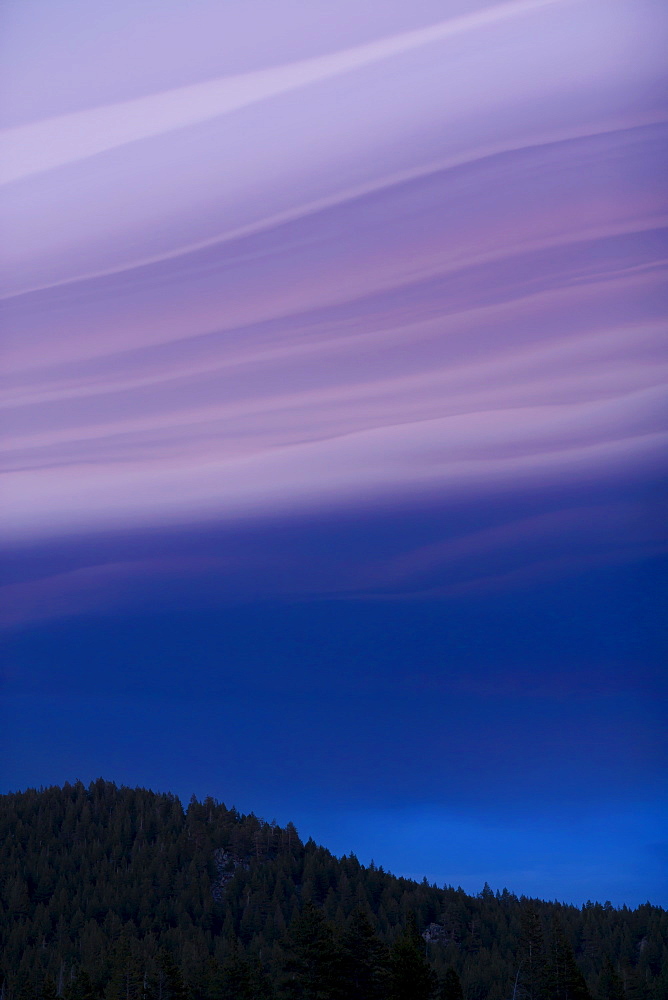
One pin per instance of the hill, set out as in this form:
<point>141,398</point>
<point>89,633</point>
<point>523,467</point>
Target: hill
<point>120,893</point>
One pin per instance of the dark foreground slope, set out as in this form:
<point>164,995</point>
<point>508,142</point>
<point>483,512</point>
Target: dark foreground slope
<point>118,893</point>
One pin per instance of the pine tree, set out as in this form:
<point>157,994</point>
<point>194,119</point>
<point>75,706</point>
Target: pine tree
<point>80,988</point>
<point>566,982</point>
<point>126,981</point>
<point>170,984</point>
<point>18,898</point>
<point>635,987</point>
<point>411,975</point>
<point>309,967</point>
<point>660,991</point>
<point>610,986</point>
<point>232,980</point>
<point>451,987</point>
<point>364,960</point>
<point>48,990</point>
<point>533,967</point>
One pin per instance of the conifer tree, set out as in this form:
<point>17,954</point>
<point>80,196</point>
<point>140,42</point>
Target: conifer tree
<point>533,969</point>
<point>48,990</point>
<point>80,988</point>
<point>610,986</point>
<point>126,981</point>
<point>170,985</point>
<point>411,975</point>
<point>635,986</point>
<point>451,987</point>
<point>660,991</point>
<point>230,981</point>
<point>565,980</point>
<point>364,960</point>
<point>309,967</point>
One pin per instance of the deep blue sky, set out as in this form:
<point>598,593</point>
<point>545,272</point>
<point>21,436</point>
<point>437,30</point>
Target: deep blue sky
<point>511,734</point>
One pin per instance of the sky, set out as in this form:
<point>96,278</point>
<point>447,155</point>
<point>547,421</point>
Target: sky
<point>334,413</point>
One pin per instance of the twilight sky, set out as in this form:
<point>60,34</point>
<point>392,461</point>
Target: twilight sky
<point>334,404</point>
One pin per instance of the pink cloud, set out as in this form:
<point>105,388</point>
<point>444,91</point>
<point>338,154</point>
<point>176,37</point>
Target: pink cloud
<point>369,272</point>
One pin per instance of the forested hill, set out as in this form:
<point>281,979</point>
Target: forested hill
<point>118,893</point>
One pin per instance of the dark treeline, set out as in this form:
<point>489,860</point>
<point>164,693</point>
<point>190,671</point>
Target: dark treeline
<point>119,894</point>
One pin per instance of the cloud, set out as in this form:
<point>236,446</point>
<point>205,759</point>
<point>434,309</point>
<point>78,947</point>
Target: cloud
<point>568,539</point>
<point>107,586</point>
<point>45,145</point>
<point>399,277</point>
<point>353,555</point>
<point>456,98</point>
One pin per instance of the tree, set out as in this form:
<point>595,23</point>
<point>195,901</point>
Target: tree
<point>364,960</point>
<point>566,982</point>
<point>309,966</point>
<point>232,980</point>
<point>533,977</point>
<point>170,985</point>
<point>80,988</point>
<point>127,981</point>
<point>412,978</point>
<point>451,987</point>
<point>635,987</point>
<point>48,991</point>
<point>610,986</point>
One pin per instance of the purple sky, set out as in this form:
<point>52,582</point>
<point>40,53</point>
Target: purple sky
<point>359,308</point>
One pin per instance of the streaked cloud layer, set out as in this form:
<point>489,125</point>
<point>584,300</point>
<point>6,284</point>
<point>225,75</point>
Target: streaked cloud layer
<point>430,261</point>
<point>417,262</point>
<point>40,146</point>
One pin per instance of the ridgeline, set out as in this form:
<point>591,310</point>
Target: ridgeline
<point>120,894</point>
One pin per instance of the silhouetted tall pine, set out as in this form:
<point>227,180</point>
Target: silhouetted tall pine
<point>534,974</point>
<point>610,986</point>
<point>309,968</point>
<point>451,987</point>
<point>411,976</point>
<point>565,981</point>
<point>363,960</point>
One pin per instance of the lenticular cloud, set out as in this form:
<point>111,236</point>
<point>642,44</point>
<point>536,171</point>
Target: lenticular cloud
<point>428,258</point>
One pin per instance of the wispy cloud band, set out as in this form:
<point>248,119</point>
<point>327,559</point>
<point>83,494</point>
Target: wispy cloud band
<point>419,264</point>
